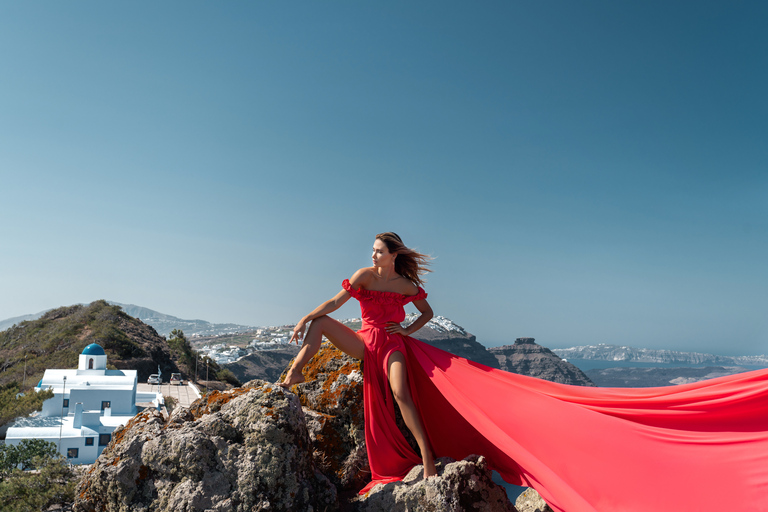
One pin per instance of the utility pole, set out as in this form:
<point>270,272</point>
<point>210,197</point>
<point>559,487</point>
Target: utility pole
<point>24,382</point>
<point>197,356</point>
<point>206,369</point>
<point>63,394</point>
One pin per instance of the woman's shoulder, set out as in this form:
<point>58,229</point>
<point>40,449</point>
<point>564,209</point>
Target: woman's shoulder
<point>408,287</point>
<point>362,277</point>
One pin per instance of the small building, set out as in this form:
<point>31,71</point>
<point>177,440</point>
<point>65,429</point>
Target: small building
<point>88,404</point>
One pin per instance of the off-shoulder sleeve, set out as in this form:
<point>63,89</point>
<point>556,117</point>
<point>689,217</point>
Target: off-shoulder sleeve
<point>419,296</point>
<point>347,286</point>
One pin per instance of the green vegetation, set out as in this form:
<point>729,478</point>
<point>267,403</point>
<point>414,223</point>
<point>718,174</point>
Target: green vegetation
<point>185,356</point>
<point>57,338</point>
<point>170,403</point>
<point>13,403</point>
<point>52,481</point>
<point>225,375</point>
<point>26,455</point>
<point>181,349</point>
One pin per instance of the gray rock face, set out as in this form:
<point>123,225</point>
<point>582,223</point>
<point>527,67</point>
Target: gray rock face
<point>464,485</point>
<point>526,357</point>
<point>530,501</point>
<point>243,450</point>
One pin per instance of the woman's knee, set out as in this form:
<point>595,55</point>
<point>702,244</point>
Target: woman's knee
<point>402,396</point>
<point>320,322</point>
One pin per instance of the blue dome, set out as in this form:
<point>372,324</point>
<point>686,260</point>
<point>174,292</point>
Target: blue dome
<point>94,349</point>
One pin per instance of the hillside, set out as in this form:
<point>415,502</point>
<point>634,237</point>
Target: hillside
<point>56,340</point>
<point>164,324</point>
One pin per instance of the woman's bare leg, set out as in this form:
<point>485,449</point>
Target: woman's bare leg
<point>398,381</point>
<point>344,338</point>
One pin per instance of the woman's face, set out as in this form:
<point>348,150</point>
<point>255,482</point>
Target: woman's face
<point>381,256</point>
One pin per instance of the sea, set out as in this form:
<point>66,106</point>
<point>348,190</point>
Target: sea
<point>591,364</point>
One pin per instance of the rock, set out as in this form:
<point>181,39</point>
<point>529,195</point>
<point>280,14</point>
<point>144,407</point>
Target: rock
<point>247,449</point>
<point>531,501</point>
<point>465,485</point>
<point>332,396</point>
<point>526,357</point>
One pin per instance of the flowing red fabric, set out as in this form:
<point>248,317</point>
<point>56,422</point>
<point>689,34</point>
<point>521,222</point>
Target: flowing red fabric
<point>700,447</point>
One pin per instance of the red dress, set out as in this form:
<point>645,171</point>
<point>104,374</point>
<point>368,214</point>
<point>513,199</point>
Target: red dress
<point>700,447</point>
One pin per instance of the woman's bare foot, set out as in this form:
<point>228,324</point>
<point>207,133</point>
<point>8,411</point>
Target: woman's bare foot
<point>293,377</point>
<point>429,467</point>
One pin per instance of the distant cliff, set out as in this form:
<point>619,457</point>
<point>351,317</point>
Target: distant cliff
<point>526,357</point>
<point>443,333</point>
<point>603,352</point>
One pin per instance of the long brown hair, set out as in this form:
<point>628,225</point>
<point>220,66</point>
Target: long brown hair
<point>408,263</point>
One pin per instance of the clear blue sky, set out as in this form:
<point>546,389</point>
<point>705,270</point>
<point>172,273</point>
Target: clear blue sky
<point>583,172</point>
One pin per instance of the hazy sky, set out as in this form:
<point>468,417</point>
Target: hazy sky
<point>582,172</point>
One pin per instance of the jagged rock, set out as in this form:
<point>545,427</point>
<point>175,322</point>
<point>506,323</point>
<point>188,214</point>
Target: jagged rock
<point>243,450</point>
<point>464,485</point>
<point>332,396</point>
<point>526,357</point>
<point>531,501</point>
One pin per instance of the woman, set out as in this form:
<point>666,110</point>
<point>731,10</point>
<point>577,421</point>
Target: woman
<point>383,289</point>
<point>699,446</point>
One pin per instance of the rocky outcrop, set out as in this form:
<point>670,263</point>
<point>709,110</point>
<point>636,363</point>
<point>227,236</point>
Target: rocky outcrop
<point>461,486</point>
<point>332,397</point>
<point>526,357</point>
<point>247,449</point>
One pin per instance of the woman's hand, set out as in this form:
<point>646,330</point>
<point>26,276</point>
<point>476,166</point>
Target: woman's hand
<point>298,332</point>
<point>396,328</point>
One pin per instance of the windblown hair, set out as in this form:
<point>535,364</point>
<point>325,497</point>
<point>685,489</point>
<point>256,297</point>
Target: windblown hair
<point>409,263</point>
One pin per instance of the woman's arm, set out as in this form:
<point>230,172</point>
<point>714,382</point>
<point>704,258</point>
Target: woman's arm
<point>358,279</point>
<point>325,308</point>
<point>426,315</point>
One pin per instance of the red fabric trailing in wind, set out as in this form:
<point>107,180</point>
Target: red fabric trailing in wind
<point>700,446</point>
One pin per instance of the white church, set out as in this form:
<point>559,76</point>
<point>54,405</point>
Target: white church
<point>88,404</point>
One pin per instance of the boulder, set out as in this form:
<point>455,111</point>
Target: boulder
<point>247,449</point>
<point>531,501</point>
<point>460,486</point>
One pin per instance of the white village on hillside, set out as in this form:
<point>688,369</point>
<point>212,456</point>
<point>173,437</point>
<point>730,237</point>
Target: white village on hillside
<point>88,404</point>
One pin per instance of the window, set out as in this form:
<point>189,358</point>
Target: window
<point>105,404</point>
<point>90,364</point>
<point>72,453</point>
<point>104,439</point>
<point>88,441</point>
<point>66,402</point>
